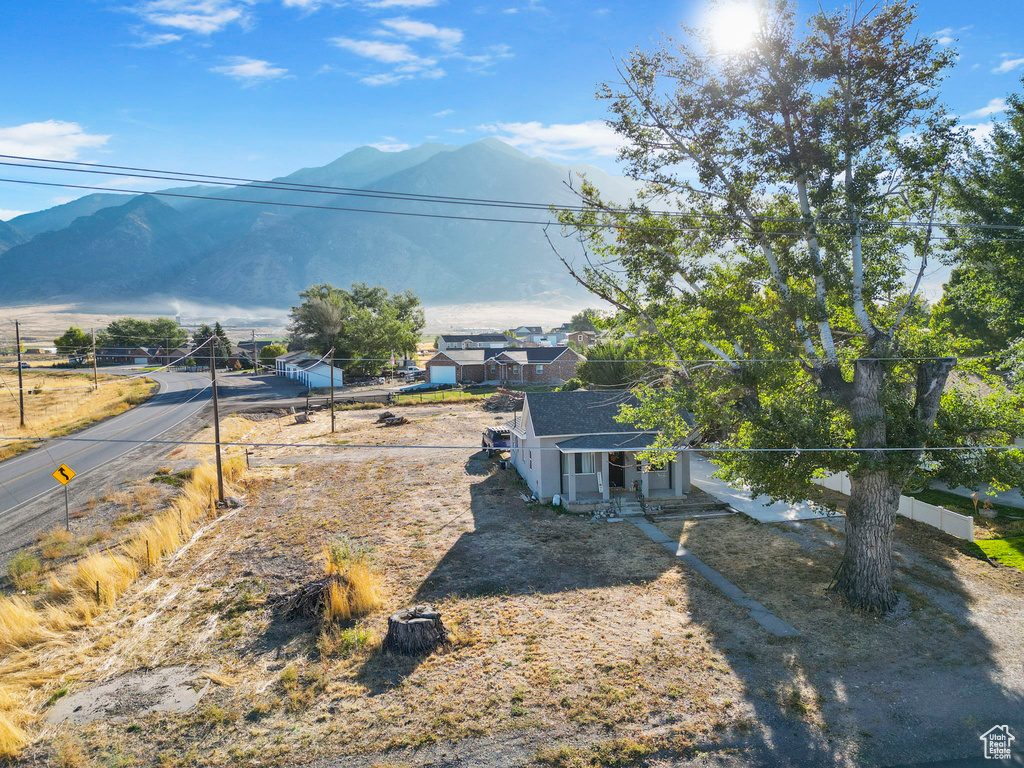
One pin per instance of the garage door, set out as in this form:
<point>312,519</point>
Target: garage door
<point>442,374</point>
<point>141,360</point>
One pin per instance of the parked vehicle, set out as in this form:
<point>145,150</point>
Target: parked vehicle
<point>495,440</point>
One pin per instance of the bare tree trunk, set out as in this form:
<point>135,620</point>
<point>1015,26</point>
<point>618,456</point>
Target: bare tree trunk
<point>864,578</point>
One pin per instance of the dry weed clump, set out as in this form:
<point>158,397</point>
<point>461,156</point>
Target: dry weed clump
<point>72,598</point>
<point>353,588</point>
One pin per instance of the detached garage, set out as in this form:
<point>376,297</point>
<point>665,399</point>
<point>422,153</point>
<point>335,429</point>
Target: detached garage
<point>456,366</point>
<point>442,374</point>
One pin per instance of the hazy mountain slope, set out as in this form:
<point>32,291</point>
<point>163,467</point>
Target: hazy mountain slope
<point>258,253</point>
<point>115,251</point>
<point>61,216</point>
<point>11,236</point>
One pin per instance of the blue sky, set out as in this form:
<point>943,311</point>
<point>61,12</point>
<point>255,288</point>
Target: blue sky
<point>259,88</point>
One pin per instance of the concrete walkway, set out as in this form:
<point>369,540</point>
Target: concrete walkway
<point>761,508</point>
<point>771,623</point>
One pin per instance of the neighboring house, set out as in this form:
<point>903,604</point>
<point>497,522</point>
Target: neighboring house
<point>544,339</point>
<point>448,341</point>
<point>129,356</point>
<point>570,444</point>
<point>563,328</point>
<point>532,365</point>
<point>526,330</point>
<point>308,369</point>
<point>581,338</point>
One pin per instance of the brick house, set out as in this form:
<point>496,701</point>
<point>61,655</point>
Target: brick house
<point>532,365</point>
<point>581,338</point>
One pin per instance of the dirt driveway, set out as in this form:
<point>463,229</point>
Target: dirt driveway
<point>574,643</point>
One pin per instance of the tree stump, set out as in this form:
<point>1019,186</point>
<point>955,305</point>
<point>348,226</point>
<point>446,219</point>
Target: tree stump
<point>414,631</point>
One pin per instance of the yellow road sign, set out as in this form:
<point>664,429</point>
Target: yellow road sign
<point>63,474</point>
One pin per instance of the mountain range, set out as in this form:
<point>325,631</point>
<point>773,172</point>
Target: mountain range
<point>266,245</point>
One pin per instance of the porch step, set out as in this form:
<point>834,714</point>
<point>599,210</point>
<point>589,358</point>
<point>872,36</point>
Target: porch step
<point>693,506</point>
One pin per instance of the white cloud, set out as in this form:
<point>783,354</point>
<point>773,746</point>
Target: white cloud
<point>481,62</point>
<point>455,130</point>
<point>390,144</point>
<point>203,17</point>
<point>1008,65</point>
<point>7,215</point>
<point>151,41</point>
<point>447,38</point>
<point>592,137</point>
<point>994,107</point>
<point>444,113</point>
<point>402,3</point>
<point>250,71</point>
<point>52,139</point>
<point>408,64</point>
<point>388,53</point>
<point>981,132</point>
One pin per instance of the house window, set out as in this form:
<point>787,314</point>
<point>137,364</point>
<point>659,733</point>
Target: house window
<point>529,456</point>
<point>540,369</point>
<point>583,465</point>
<point>515,369</point>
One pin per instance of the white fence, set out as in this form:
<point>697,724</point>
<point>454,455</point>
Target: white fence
<point>953,523</point>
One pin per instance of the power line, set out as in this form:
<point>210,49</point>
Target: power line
<point>451,217</point>
<point>366,446</point>
<point>277,185</point>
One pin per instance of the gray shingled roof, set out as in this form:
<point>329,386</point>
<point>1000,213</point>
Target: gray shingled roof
<point>471,337</point>
<point>578,413</point>
<point>532,355</point>
<point>462,356</point>
<point>608,442</point>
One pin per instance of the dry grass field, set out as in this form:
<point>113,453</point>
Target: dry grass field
<point>574,645</point>
<point>59,402</point>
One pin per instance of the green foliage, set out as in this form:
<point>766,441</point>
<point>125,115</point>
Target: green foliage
<point>984,298</point>
<point>614,364</point>
<point>571,385</point>
<point>269,352</point>
<point>778,286</point>
<point>130,332</point>
<point>586,320</point>
<point>364,325</point>
<point>23,569</point>
<point>220,346</point>
<point>73,341</point>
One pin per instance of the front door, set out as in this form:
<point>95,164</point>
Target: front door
<point>617,470</point>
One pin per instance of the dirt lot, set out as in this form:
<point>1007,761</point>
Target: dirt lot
<point>574,644</point>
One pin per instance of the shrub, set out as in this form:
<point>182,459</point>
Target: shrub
<point>24,570</point>
<point>354,589</point>
<point>571,385</point>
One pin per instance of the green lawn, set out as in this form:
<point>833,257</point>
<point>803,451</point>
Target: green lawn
<point>961,504</point>
<point>1006,551</point>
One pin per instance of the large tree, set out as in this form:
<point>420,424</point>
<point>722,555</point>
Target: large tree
<point>364,325</point>
<point>220,346</point>
<point>74,341</point>
<point>784,165</point>
<point>984,297</point>
<point>132,332</point>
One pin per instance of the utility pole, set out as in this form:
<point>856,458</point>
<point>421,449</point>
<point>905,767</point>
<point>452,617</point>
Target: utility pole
<point>332,391</point>
<point>216,418</point>
<point>255,369</point>
<point>21,386</point>
<point>95,375</point>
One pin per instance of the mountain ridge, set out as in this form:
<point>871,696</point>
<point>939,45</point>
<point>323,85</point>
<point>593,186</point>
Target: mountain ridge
<point>261,252</point>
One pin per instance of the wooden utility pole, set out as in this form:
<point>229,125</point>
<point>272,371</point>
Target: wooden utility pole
<point>216,417</point>
<point>21,386</point>
<point>255,359</point>
<point>95,374</point>
<point>332,391</point>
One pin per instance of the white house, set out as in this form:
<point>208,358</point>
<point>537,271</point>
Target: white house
<point>308,369</point>
<point>569,443</point>
<point>448,341</point>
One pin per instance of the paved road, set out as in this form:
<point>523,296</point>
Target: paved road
<point>26,479</point>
